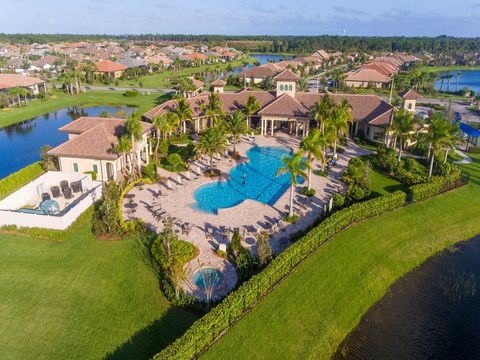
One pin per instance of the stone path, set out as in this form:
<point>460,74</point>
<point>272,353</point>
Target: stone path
<point>179,204</point>
<point>465,158</point>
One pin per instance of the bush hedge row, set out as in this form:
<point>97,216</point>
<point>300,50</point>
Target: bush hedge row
<point>20,178</point>
<point>205,330</point>
<point>437,185</point>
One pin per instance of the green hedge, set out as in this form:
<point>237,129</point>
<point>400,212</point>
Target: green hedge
<point>437,185</point>
<point>20,178</point>
<point>205,330</point>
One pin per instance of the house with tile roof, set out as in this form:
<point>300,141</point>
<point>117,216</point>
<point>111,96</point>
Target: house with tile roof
<point>34,84</point>
<point>287,110</point>
<point>109,68</point>
<point>90,148</point>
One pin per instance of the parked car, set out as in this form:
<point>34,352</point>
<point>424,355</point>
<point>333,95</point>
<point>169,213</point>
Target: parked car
<point>457,116</point>
<point>422,115</point>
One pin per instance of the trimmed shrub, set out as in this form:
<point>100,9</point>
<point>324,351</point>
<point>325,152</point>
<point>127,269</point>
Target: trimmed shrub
<point>131,93</point>
<point>20,178</point>
<point>307,192</point>
<point>474,149</point>
<point>338,200</point>
<point>205,330</point>
<point>436,185</point>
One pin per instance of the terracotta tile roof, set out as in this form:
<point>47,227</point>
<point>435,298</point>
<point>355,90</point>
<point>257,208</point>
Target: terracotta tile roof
<point>367,75</point>
<point>369,108</point>
<point>95,138</point>
<point>263,71</point>
<point>219,82</point>
<point>285,105</point>
<point>109,66</point>
<point>286,75</point>
<point>410,95</point>
<point>14,80</point>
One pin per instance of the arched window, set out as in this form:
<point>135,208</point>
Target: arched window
<point>281,87</point>
<point>290,87</point>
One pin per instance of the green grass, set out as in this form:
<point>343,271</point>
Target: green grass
<point>82,298</point>
<point>37,107</point>
<point>166,78</point>
<point>313,309</point>
<point>430,69</point>
<point>380,182</point>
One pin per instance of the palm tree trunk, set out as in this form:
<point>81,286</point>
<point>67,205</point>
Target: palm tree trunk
<point>446,155</point>
<point>19,101</point>
<point>400,151</point>
<point>335,146</point>
<point>290,210</point>
<point>157,144</point>
<point>234,145</point>
<point>211,163</point>
<point>429,150</point>
<point>430,171</point>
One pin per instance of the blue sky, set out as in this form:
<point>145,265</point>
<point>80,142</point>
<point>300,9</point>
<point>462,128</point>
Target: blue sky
<point>250,17</point>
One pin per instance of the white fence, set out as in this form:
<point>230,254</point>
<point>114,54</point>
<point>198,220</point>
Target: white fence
<point>92,191</point>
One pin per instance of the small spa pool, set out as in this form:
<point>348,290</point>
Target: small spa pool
<point>254,180</point>
<point>207,277</point>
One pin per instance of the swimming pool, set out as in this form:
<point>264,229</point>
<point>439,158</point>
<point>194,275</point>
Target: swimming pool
<point>254,180</point>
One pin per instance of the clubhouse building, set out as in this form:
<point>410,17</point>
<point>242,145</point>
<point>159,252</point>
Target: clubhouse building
<point>286,109</point>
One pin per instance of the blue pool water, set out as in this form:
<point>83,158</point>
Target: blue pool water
<point>207,277</point>
<point>254,180</point>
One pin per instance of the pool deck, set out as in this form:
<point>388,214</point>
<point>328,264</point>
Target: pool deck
<point>246,216</point>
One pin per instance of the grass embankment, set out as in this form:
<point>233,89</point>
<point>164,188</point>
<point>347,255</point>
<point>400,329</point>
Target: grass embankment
<point>166,78</point>
<point>312,310</point>
<point>82,298</point>
<point>37,107</point>
<point>430,69</point>
<point>20,178</point>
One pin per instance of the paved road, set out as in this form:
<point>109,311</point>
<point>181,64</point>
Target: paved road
<point>459,106</point>
<point>116,88</point>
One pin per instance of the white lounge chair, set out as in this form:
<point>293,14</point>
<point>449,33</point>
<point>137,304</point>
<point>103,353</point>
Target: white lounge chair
<point>168,184</point>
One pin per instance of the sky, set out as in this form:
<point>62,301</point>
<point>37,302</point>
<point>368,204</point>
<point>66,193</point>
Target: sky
<point>244,17</point>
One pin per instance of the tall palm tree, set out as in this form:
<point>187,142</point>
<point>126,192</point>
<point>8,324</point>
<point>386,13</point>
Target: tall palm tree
<point>161,125</point>
<point>212,141</point>
<point>292,165</point>
<point>183,113</point>
<point>251,106</point>
<point>213,109</point>
<point>302,84</point>
<point>236,125</point>
<point>14,93</point>
<point>124,146</point>
<point>313,146</point>
<point>321,111</point>
<point>340,120</point>
<point>402,126</point>
<point>133,128</point>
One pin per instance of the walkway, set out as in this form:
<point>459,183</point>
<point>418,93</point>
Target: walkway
<point>249,217</point>
<point>465,158</point>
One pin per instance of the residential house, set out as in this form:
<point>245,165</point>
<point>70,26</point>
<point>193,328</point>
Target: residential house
<point>35,85</point>
<point>109,68</point>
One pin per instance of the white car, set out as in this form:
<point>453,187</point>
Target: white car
<point>422,115</point>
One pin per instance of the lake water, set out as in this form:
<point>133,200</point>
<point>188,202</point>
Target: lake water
<point>470,79</point>
<point>20,143</point>
<point>431,313</point>
<point>261,59</point>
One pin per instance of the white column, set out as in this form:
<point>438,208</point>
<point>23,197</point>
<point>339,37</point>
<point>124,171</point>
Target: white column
<point>261,126</point>
<point>271,130</point>
<point>296,128</point>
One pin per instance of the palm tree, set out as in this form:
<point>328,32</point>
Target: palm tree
<point>439,136</point>
<point>294,166</point>
<point>236,124</point>
<point>162,125</point>
<point>212,141</point>
<point>302,84</point>
<point>403,126</point>
<point>213,108</point>
<point>313,146</point>
<point>267,84</point>
<point>124,146</point>
<point>14,93</point>
<point>251,106</point>
<point>134,130</point>
<point>321,111</point>
<point>183,113</point>
<point>340,120</point>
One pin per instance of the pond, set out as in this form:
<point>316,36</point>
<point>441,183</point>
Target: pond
<point>431,313</point>
<point>20,143</point>
<point>261,59</point>
<point>465,79</point>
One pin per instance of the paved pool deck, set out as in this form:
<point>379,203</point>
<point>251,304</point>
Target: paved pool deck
<point>249,216</point>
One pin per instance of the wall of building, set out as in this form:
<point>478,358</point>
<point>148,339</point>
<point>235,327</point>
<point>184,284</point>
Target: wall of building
<point>286,87</point>
<point>86,165</point>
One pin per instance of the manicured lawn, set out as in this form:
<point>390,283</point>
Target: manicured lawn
<point>447,68</point>
<point>166,78</point>
<point>313,309</point>
<point>82,298</point>
<point>37,107</point>
<point>381,183</point>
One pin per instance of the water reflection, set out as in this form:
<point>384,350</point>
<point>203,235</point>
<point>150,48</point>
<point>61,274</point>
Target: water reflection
<point>20,143</point>
<point>431,313</point>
